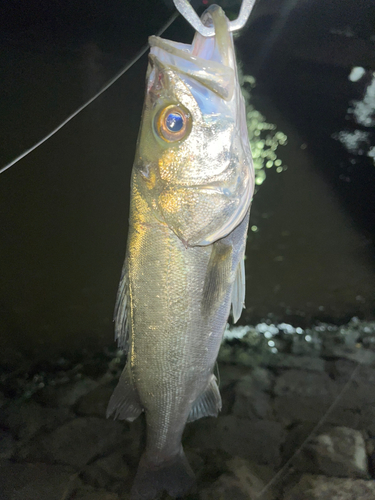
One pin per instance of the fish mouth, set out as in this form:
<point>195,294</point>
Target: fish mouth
<point>208,60</point>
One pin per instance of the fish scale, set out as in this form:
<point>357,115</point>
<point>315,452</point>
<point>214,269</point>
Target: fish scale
<point>191,190</point>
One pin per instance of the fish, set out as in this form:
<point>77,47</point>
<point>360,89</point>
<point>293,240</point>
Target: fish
<point>191,189</point>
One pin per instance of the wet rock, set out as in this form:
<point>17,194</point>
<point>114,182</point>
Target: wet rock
<point>262,379</point>
<point>7,445</point>
<point>305,384</point>
<point>337,452</point>
<point>349,341</point>
<point>226,487</point>
<point>95,494</point>
<point>250,399</point>
<point>253,478</point>
<point>357,354</point>
<point>301,362</point>
<point>227,374</point>
<point>370,448</point>
<point>295,410</point>
<point>255,440</point>
<point>35,481</point>
<point>26,419</point>
<point>106,470</point>
<point>68,394</point>
<point>331,488</point>
<point>359,395</point>
<point>78,441</point>
<point>226,354</point>
<point>304,396</point>
<point>95,476</point>
<point>95,402</point>
<point>197,462</point>
<point>245,481</point>
<point>114,465</point>
<point>3,399</point>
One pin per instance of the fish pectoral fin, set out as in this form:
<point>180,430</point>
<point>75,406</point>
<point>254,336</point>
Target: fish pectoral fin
<point>208,404</point>
<point>238,292</point>
<point>124,402</point>
<point>122,315</point>
<point>217,277</point>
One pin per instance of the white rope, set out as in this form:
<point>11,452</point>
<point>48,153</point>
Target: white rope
<point>187,11</point>
<point>92,99</point>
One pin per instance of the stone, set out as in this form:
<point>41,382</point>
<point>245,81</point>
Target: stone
<point>250,400</point>
<point>357,354</point>
<point>255,440</point>
<point>77,442</point>
<point>88,493</point>
<point>3,399</point>
<point>253,479</point>
<point>305,384</point>
<point>105,470</point>
<point>226,487</point>
<point>227,374</point>
<point>7,445</point>
<point>94,476</point>
<point>67,395</point>
<point>301,362</point>
<point>304,396</point>
<point>26,419</point>
<point>262,379</point>
<point>225,354</point>
<point>359,395</point>
<point>114,465</point>
<point>370,448</point>
<point>95,402</point>
<point>339,452</point>
<point>312,487</point>
<point>35,481</point>
<point>295,410</point>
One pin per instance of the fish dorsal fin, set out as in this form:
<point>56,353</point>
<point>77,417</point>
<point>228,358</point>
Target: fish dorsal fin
<point>208,404</point>
<point>238,292</point>
<point>122,310</point>
<point>124,403</point>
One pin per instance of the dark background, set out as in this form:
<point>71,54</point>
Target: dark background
<point>64,208</point>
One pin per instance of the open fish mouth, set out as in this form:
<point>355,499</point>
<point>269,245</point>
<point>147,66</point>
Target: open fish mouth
<point>208,60</point>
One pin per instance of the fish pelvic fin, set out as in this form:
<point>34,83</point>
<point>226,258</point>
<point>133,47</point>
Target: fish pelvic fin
<point>208,404</point>
<point>173,475</point>
<point>124,403</point>
<point>238,292</point>
<point>122,310</point>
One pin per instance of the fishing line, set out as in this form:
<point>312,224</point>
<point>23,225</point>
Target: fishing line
<point>281,472</point>
<point>92,99</point>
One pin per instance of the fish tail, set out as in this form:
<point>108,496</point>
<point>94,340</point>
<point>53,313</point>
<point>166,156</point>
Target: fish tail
<point>173,475</point>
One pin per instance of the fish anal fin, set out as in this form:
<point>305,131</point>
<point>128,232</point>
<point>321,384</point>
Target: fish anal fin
<point>124,403</point>
<point>208,404</point>
<point>238,292</point>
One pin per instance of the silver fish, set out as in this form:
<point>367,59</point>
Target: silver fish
<point>191,189</point>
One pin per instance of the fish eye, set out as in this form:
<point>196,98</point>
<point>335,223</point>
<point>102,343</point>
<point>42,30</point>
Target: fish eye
<point>173,123</point>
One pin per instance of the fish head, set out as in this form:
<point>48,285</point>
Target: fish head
<point>193,163</point>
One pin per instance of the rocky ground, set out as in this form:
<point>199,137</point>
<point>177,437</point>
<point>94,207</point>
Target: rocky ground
<point>298,422</point>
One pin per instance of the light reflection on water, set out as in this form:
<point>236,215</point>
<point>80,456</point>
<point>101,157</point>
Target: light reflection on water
<point>64,209</point>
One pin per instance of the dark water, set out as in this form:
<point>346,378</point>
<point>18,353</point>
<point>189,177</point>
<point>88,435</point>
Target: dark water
<point>64,208</point>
